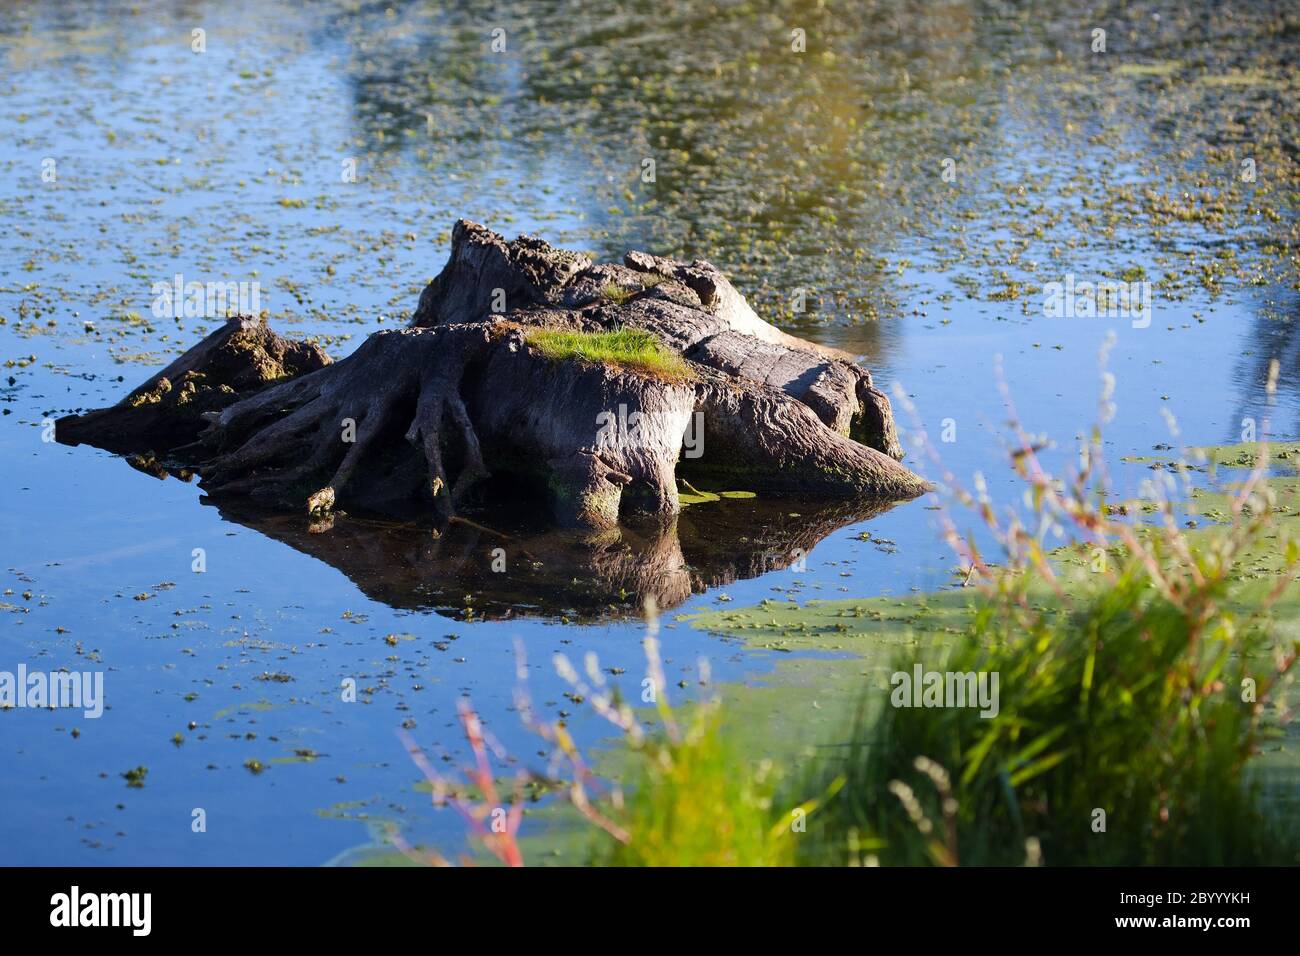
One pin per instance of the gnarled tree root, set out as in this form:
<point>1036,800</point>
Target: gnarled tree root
<point>168,409</point>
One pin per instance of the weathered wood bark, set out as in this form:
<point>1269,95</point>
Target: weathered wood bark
<point>417,416</point>
<point>691,307</point>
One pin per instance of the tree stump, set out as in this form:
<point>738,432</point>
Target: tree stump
<point>416,417</point>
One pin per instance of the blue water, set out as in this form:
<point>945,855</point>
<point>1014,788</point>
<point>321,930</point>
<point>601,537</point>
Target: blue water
<point>170,161</point>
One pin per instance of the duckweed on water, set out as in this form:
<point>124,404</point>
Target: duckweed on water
<point>819,172</point>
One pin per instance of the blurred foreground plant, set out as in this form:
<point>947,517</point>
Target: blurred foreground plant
<point>690,799</point>
<point>1132,693</point>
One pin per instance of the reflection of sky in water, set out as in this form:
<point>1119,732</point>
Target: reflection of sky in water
<point>174,162</point>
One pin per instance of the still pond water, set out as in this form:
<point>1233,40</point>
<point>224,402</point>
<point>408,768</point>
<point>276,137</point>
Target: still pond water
<point>915,175</point>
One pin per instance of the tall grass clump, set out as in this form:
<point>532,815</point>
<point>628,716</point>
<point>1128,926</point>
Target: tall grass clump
<point>1132,694</point>
<point>672,790</point>
<point>692,800</point>
<point>1122,737</point>
<point>685,796</point>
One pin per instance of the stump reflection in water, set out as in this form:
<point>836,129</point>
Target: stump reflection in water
<point>519,566</point>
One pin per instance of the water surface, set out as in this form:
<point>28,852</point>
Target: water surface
<point>814,178</point>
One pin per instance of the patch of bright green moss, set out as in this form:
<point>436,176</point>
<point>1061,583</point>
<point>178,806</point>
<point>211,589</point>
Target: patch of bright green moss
<point>626,348</point>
